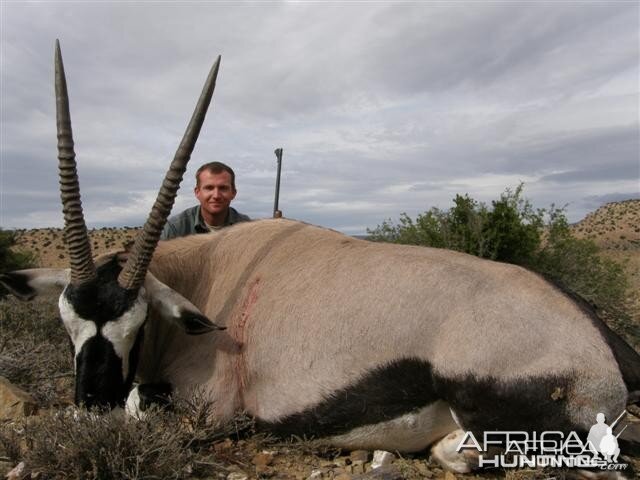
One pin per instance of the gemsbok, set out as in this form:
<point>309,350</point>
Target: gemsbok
<point>366,345</point>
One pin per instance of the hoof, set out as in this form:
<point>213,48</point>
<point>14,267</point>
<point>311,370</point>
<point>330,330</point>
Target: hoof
<point>444,451</point>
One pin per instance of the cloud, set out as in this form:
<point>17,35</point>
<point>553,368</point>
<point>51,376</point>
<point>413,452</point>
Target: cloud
<point>597,200</point>
<point>380,108</point>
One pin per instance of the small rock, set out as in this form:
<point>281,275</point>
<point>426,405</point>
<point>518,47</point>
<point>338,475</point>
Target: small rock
<point>385,472</point>
<point>359,457</point>
<point>263,459</point>
<point>315,475</point>
<point>382,457</point>
<point>18,472</point>
<point>449,476</point>
<point>237,476</point>
<point>14,402</point>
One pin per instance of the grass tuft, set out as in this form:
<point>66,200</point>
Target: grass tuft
<point>35,352</point>
<point>95,445</point>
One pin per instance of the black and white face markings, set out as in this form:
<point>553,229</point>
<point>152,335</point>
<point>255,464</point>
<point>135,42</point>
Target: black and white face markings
<point>104,322</point>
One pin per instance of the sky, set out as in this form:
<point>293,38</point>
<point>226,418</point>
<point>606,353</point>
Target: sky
<point>380,107</point>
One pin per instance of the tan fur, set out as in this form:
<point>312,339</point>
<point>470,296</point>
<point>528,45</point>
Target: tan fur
<point>309,310</point>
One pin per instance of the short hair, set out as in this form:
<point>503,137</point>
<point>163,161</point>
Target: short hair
<point>216,167</point>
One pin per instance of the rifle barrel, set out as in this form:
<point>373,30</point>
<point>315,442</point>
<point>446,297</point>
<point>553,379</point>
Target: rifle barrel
<point>278,152</point>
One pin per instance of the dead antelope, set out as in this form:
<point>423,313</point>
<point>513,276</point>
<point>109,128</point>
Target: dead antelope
<point>367,345</point>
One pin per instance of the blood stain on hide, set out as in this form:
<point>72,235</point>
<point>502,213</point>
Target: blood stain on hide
<point>240,335</point>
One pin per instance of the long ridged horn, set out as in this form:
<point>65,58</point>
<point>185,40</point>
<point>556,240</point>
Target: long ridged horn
<point>75,230</point>
<point>133,274</point>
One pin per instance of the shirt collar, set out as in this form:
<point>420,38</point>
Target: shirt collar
<point>200,225</point>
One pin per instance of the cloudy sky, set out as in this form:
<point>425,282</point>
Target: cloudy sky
<point>381,107</point>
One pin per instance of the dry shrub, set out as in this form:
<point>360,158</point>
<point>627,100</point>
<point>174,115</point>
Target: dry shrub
<point>89,445</point>
<point>108,445</point>
<point>34,347</point>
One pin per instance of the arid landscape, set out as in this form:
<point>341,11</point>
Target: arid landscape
<point>34,355</point>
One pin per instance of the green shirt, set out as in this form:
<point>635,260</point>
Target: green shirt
<point>190,221</point>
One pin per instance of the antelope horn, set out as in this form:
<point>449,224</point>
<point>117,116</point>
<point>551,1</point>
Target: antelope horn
<point>133,274</point>
<point>75,231</point>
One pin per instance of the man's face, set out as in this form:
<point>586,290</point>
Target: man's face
<point>214,191</point>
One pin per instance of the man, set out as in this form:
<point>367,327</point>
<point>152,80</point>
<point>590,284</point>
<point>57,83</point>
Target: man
<point>215,189</point>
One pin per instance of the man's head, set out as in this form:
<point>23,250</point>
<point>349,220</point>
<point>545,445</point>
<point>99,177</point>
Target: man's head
<point>216,167</point>
<point>215,189</point>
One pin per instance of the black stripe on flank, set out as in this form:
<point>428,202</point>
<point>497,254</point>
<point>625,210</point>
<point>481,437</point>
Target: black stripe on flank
<point>384,393</point>
<point>408,385</point>
<point>524,404</point>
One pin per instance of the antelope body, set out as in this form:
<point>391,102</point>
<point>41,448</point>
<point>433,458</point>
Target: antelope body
<point>328,335</point>
<point>318,334</point>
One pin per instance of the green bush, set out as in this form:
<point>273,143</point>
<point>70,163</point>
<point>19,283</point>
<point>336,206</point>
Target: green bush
<point>509,231</point>
<point>514,229</point>
<point>457,229</point>
<point>577,263</point>
<point>9,259</point>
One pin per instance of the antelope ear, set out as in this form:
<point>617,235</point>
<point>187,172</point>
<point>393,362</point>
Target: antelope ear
<point>27,284</point>
<point>175,308</point>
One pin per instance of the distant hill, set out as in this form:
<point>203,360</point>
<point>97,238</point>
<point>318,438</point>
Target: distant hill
<point>47,244</point>
<point>614,226</point>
